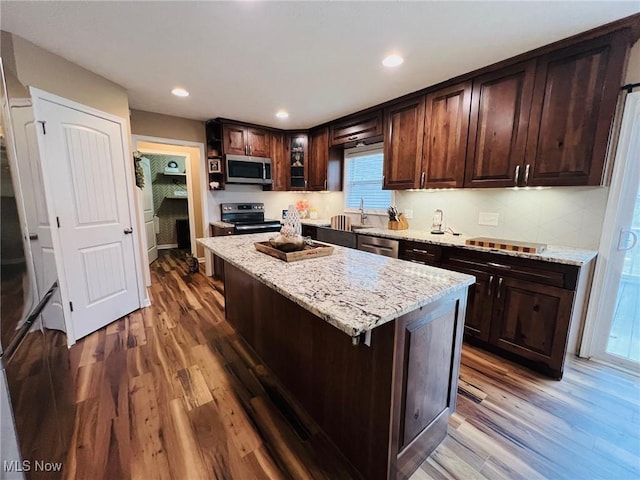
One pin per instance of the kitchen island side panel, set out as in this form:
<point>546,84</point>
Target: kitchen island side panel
<point>359,394</point>
<point>346,389</point>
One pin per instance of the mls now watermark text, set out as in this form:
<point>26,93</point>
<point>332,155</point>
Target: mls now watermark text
<point>31,466</point>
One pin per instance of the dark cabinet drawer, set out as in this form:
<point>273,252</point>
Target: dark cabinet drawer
<point>217,231</point>
<point>356,128</point>
<point>420,252</point>
<point>554,274</point>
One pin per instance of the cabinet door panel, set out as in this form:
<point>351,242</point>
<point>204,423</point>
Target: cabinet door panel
<point>279,165</point>
<point>234,139</point>
<point>258,142</point>
<point>318,159</point>
<point>429,344</point>
<point>404,132</point>
<point>446,132</point>
<point>574,101</point>
<point>532,320</point>
<point>358,128</point>
<point>477,321</point>
<point>498,130</point>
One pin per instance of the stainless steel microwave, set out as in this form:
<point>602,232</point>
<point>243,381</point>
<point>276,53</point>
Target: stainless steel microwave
<point>245,169</point>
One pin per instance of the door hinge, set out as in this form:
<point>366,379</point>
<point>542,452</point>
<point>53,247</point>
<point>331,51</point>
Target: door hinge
<point>44,128</point>
<point>71,306</point>
<point>58,221</point>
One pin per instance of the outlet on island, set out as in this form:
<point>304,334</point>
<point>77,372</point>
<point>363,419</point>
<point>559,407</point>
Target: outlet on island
<point>488,218</point>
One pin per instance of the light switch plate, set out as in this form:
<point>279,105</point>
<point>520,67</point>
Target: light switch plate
<point>488,218</point>
<point>408,213</point>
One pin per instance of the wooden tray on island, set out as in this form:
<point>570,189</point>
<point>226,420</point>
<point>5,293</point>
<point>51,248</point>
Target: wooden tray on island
<point>310,251</point>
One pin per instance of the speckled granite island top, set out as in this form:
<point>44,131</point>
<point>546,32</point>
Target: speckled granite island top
<point>553,253</point>
<point>352,290</point>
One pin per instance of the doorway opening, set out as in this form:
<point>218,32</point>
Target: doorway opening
<point>170,204</point>
<point>166,197</point>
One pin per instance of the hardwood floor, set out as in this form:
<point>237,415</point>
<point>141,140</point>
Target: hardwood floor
<point>171,392</point>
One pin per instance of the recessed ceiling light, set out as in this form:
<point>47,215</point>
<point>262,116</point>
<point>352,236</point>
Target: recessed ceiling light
<point>180,92</point>
<point>282,114</point>
<point>393,60</point>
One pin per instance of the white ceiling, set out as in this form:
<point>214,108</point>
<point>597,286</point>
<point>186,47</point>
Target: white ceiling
<point>318,60</point>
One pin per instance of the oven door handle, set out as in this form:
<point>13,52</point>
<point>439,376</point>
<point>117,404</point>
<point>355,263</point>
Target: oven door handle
<point>240,228</point>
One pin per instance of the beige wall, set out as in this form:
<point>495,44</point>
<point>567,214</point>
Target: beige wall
<point>195,192</point>
<point>36,67</point>
<point>165,126</point>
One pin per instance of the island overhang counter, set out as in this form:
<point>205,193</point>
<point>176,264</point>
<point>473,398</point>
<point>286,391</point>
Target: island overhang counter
<point>368,345</point>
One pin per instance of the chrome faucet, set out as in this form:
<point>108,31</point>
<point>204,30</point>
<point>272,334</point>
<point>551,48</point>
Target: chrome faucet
<point>363,216</point>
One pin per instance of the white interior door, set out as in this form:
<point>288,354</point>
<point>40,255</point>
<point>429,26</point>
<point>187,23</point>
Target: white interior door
<point>147,207</point>
<point>83,158</point>
<point>39,229</point>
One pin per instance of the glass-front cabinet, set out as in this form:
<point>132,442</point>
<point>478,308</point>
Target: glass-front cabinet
<point>297,157</point>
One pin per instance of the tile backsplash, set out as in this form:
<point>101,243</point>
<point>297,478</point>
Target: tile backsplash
<point>570,216</point>
<point>327,204</point>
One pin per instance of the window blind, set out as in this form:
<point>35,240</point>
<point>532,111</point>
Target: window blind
<point>363,179</point>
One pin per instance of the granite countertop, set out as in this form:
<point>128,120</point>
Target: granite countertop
<point>553,253</point>
<point>221,224</point>
<point>352,290</point>
<point>316,222</point>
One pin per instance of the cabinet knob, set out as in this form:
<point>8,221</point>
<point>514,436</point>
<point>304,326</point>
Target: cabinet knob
<point>517,174</point>
<point>353,137</point>
<point>422,180</point>
<point>526,173</point>
<point>325,183</point>
<point>128,231</point>
<point>499,287</point>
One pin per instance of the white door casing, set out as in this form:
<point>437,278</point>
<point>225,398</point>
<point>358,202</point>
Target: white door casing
<point>37,217</point>
<point>88,185</point>
<point>147,210</point>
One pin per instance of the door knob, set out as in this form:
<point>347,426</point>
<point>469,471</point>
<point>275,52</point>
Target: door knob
<point>128,231</point>
<point>33,236</point>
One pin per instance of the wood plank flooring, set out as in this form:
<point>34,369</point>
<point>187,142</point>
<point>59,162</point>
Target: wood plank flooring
<point>171,392</point>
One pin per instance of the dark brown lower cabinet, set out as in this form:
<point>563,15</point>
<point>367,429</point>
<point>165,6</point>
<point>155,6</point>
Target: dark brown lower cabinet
<point>518,307</point>
<point>384,405</point>
<point>477,324</point>
<point>532,321</point>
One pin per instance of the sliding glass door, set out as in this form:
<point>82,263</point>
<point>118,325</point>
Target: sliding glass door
<point>624,334</point>
<point>612,331</point>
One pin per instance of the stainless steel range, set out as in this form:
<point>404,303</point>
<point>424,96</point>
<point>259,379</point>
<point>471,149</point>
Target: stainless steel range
<point>248,218</point>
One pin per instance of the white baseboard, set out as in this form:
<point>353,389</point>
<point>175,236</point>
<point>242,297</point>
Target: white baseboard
<point>167,246</point>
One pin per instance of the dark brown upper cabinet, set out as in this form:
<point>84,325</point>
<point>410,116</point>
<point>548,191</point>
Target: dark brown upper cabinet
<point>279,164</point>
<point>243,140</point>
<point>403,139</point>
<point>446,128</point>
<point>355,129</point>
<point>500,108</point>
<point>574,101</point>
<point>318,158</point>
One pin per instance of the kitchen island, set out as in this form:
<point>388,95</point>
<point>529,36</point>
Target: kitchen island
<point>368,345</point>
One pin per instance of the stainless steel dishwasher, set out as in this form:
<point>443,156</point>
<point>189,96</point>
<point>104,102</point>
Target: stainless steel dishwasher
<point>379,246</point>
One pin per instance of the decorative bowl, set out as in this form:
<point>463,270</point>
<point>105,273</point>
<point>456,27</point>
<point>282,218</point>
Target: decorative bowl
<point>287,244</point>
